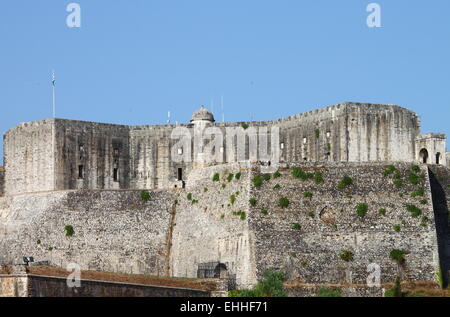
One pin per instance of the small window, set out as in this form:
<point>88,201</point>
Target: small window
<point>180,151</point>
<point>305,140</point>
<point>282,145</point>
<point>116,174</point>
<point>328,134</point>
<point>80,171</point>
<point>180,174</point>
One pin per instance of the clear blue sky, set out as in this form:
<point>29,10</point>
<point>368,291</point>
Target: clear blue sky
<point>132,61</point>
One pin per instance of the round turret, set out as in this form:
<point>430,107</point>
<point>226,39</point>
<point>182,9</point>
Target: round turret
<point>202,114</point>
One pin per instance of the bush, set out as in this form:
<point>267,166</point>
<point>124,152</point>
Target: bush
<point>270,286</point>
<point>389,170</point>
<point>361,209</point>
<point>245,126</point>
<point>297,172</point>
<point>230,177</point>
<point>415,211</point>
<point>257,181</point>
<point>415,168</point>
<point>145,195</point>
<point>276,174</point>
<point>308,195</point>
<point>277,186</point>
<point>328,292</point>
<point>223,186</point>
<point>382,212</point>
<point>397,228</point>
<point>398,256</point>
<point>346,255</point>
<point>238,176</point>
<point>424,202</point>
<point>296,226</point>
<point>216,177</point>
<point>253,202</point>
<point>175,202</point>
<point>311,214</point>
<point>189,196</point>
<point>397,182</point>
<point>420,192</point>
<point>241,214</point>
<point>317,133</point>
<point>283,202</point>
<point>413,178</point>
<point>194,201</point>
<point>267,177</point>
<point>396,291</point>
<point>205,190</point>
<point>318,177</point>
<point>232,199</point>
<point>345,182</point>
<point>69,231</point>
<point>264,211</point>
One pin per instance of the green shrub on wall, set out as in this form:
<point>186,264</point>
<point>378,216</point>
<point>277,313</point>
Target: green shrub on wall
<point>345,182</point>
<point>346,255</point>
<point>328,292</point>
<point>389,170</point>
<point>398,256</point>
<point>270,286</point>
<point>253,202</point>
<point>361,210</point>
<point>230,177</point>
<point>283,202</point>
<point>382,212</point>
<point>257,181</point>
<point>69,231</point>
<point>216,177</point>
<point>232,199</point>
<point>145,195</point>
<point>276,174</point>
<point>189,196</point>
<point>238,176</point>
<point>415,211</point>
<point>296,226</point>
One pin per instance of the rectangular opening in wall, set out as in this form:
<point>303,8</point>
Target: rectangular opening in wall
<point>80,171</point>
<point>116,174</point>
<point>180,174</point>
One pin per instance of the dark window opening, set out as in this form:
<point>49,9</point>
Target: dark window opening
<point>116,152</point>
<point>80,171</point>
<point>438,158</point>
<point>423,154</point>
<point>180,174</point>
<point>116,174</point>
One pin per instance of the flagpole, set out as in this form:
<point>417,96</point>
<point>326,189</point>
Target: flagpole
<point>53,84</point>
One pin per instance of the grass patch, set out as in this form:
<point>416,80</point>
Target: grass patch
<point>276,174</point>
<point>415,168</point>
<point>389,170</point>
<point>296,226</point>
<point>277,186</point>
<point>253,202</point>
<point>311,214</point>
<point>69,231</point>
<point>361,210</point>
<point>328,292</point>
<point>245,126</point>
<point>420,192</point>
<point>189,196</point>
<point>298,173</point>
<point>267,177</point>
<point>397,228</point>
<point>216,177</point>
<point>345,182</point>
<point>230,177</point>
<point>398,256</point>
<point>346,255</point>
<point>317,133</point>
<point>241,214</point>
<point>424,202</point>
<point>308,195</point>
<point>270,286</point>
<point>413,178</point>
<point>398,182</point>
<point>264,211</point>
<point>283,202</point>
<point>415,211</point>
<point>382,212</point>
<point>318,177</point>
<point>257,181</point>
<point>232,199</point>
<point>238,176</point>
<point>145,195</point>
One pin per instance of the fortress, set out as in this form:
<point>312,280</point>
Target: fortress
<point>211,218</point>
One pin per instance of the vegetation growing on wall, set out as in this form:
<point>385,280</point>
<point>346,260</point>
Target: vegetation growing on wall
<point>415,211</point>
<point>253,202</point>
<point>345,182</point>
<point>398,256</point>
<point>361,209</point>
<point>69,231</point>
<point>241,214</point>
<point>230,177</point>
<point>296,226</point>
<point>216,177</point>
<point>325,291</point>
<point>270,286</point>
<point>145,195</point>
<point>283,202</point>
<point>238,176</point>
<point>346,255</point>
<point>257,181</point>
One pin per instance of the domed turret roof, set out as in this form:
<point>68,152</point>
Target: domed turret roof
<point>202,114</point>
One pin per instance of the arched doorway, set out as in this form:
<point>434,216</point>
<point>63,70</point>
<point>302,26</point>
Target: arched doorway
<point>221,271</point>
<point>423,155</point>
<point>438,158</point>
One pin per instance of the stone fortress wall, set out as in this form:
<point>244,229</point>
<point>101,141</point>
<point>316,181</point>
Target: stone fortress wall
<point>61,154</point>
<point>174,233</point>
